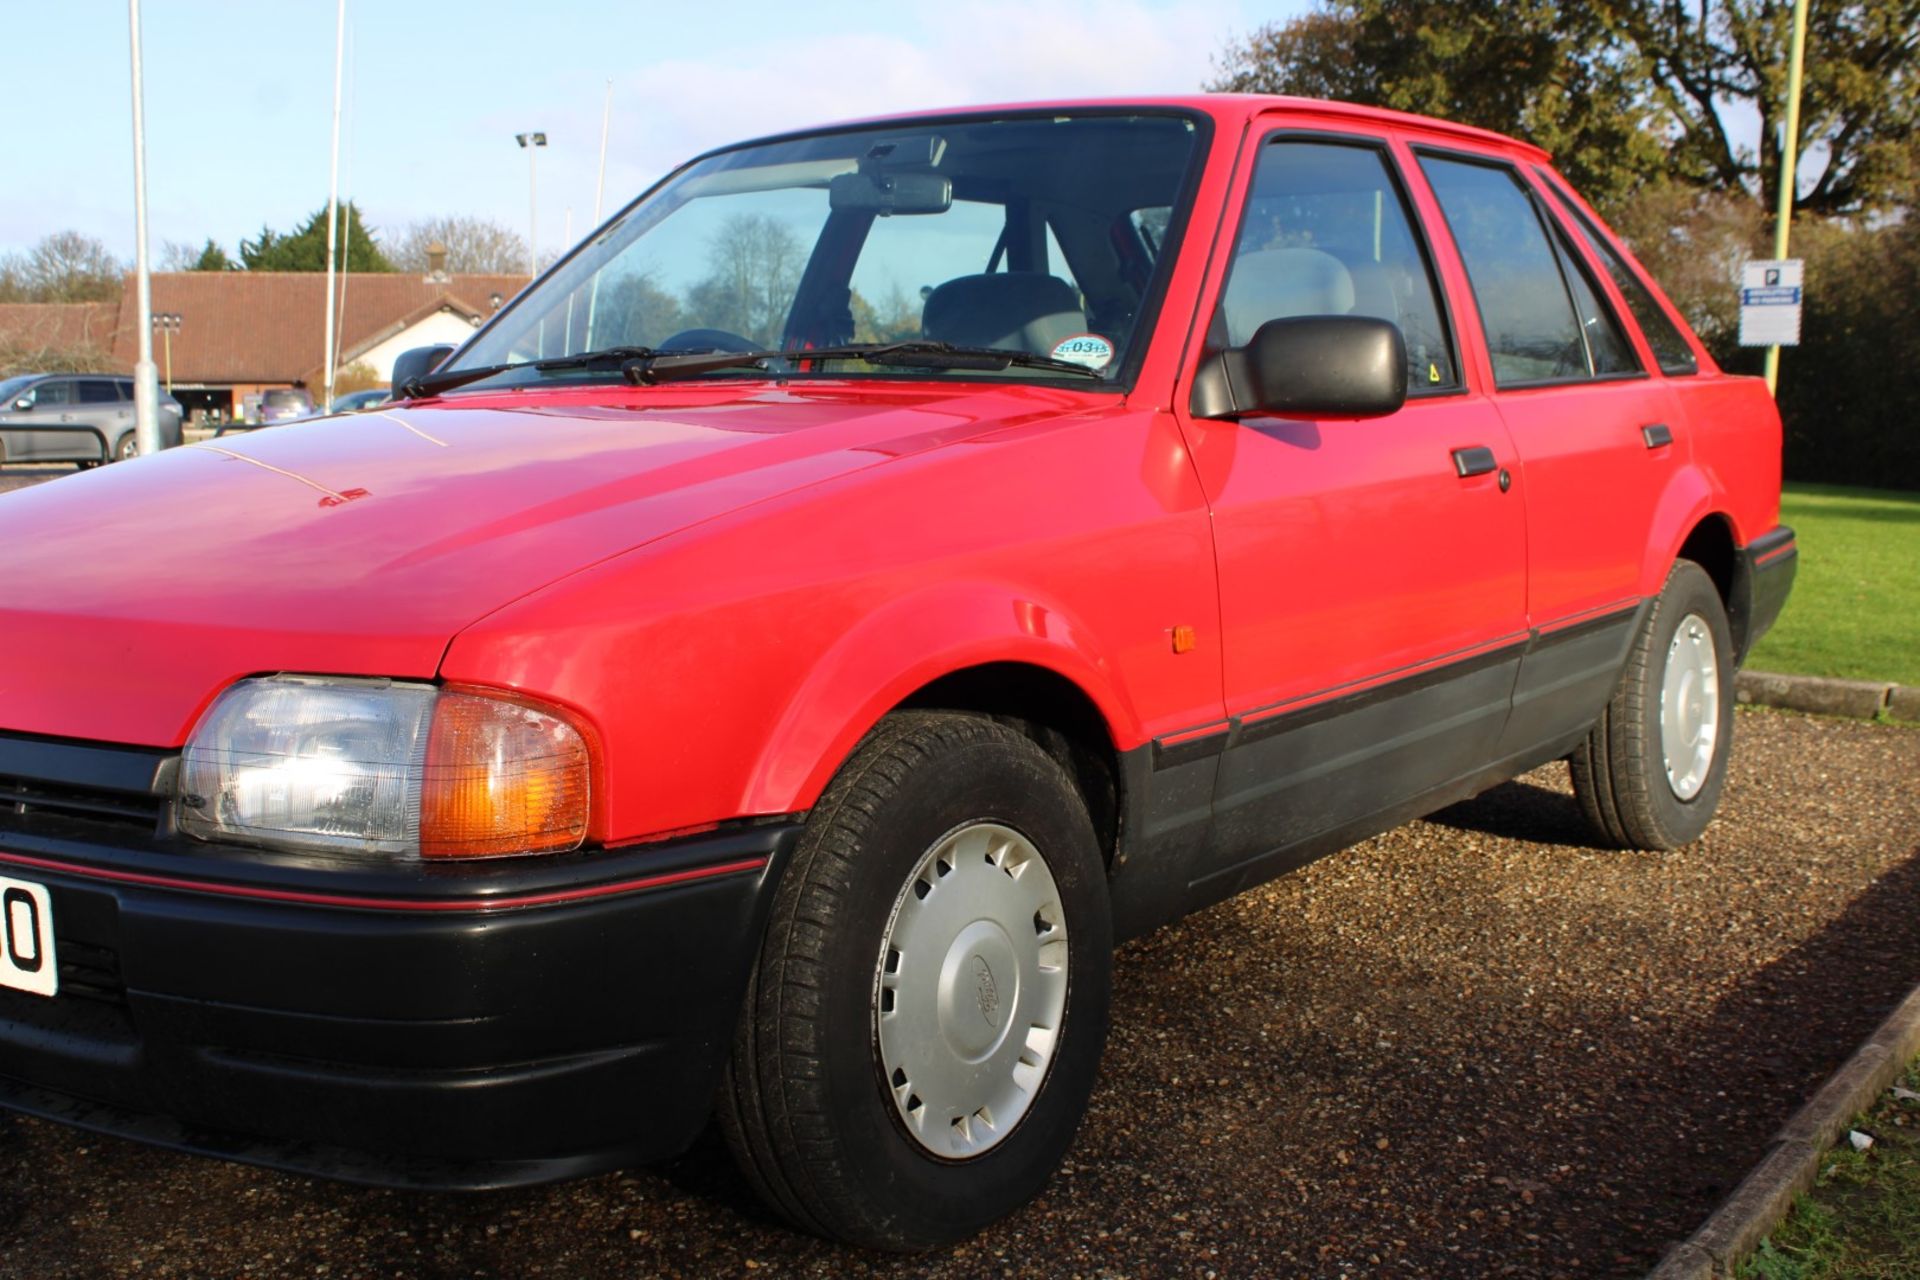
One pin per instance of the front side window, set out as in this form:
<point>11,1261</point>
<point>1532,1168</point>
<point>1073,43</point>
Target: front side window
<point>1327,233</point>
<point>968,231</point>
<point>58,391</point>
<point>1543,320</point>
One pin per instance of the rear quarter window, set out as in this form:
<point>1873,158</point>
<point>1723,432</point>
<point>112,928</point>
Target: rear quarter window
<point>1671,350</point>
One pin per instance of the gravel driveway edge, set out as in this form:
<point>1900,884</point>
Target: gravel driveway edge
<point>1855,699</point>
<point>1765,1195</point>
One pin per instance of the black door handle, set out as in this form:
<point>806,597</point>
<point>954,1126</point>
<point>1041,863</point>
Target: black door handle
<point>1476,461</point>
<point>1656,434</point>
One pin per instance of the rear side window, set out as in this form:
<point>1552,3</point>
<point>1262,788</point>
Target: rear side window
<point>1326,232</point>
<point>98,391</point>
<point>1523,283</point>
<point>1670,349</point>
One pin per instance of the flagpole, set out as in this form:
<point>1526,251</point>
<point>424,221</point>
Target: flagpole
<point>333,190</point>
<point>146,393</point>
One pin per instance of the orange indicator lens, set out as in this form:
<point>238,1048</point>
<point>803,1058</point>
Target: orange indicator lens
<point>501,777</point>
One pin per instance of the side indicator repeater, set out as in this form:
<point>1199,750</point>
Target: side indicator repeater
<point>1182,639</point>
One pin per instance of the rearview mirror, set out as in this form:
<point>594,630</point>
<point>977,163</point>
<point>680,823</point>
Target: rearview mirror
<point>417,362</point>
<point>889,193</point>
<point>1309,367</point>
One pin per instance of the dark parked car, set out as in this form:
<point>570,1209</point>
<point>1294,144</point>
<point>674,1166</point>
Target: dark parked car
<point>84,418</point>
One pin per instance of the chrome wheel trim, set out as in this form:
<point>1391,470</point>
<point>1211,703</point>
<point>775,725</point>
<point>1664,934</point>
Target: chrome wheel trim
<point>970,989</point>
<point>1690,707</point>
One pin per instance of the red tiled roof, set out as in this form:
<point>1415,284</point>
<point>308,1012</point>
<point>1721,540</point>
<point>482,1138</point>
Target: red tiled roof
<point>269,326</point>
<point>28,329</point>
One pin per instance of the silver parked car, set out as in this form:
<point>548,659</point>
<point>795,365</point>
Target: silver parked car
<point>74,417</point>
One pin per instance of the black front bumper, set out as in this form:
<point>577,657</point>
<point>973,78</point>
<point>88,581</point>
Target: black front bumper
<point>472,1028</point>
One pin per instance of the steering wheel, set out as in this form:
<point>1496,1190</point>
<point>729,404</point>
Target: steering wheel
<point>707,340</point>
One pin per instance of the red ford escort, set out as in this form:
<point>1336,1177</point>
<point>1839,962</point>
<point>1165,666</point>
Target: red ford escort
<point>770,666</point>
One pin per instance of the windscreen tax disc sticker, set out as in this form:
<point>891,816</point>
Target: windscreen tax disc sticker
<point>1089,349</point>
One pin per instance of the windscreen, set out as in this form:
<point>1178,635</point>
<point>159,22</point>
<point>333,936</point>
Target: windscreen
<point>1023,233</point>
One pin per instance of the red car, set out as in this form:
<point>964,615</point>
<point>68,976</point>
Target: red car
<point>772,664</point>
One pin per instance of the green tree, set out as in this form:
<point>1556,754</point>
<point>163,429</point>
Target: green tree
<point>305,249</point>
<point>213,258</point>
<point>1714,64</point>
<point>1534,68</point>
<point>1629,91</point>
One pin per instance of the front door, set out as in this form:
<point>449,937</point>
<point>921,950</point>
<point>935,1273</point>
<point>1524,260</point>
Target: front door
<point>1372,573</point>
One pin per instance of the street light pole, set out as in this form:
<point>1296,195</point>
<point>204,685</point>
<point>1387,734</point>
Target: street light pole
<point>168,323</point>
<point>146,396</point>
<point>1789,154</point>
<point>531,144</point>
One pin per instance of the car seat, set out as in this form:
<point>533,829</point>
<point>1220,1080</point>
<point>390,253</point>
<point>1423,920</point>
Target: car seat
<point>1272,284</point>
<point>1024,310</point>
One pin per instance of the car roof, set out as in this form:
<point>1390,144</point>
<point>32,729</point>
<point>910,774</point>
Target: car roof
<point>1226,109</point>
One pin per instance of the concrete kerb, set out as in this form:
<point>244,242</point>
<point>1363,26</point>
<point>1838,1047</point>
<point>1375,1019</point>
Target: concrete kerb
<point>1857,699</point>
<point>1765,1195</point>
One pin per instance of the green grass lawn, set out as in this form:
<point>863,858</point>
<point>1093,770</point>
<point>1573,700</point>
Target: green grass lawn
<point>1855,607</point>
<point>1861,1221</point>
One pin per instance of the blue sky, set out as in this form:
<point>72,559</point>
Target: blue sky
<point>238,96</point>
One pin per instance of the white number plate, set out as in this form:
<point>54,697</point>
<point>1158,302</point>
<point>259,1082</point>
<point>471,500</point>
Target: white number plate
<point>26,938</point>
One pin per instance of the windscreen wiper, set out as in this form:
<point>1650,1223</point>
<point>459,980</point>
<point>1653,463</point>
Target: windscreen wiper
<point>914,353</point>
<point>643,366</point>
<point>432,384</point>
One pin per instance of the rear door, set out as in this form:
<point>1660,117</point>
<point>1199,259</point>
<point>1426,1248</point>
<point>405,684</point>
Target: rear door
<point>102,409</point>
<point>1372,573</point>
<point>1595,436</point>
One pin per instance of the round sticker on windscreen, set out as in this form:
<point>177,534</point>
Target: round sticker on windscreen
<point>1089,349</point>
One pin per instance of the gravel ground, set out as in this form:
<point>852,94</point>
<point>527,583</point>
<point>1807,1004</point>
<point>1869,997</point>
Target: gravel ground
<point>1472,1047</point>
<point>26,473</point>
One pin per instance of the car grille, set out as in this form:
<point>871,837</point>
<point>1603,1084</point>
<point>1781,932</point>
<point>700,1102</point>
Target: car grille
<point>50,777</point>
<point>23,796</point>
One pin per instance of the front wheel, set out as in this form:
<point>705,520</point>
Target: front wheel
<point>1649,774</point>
<point>929,1007</point>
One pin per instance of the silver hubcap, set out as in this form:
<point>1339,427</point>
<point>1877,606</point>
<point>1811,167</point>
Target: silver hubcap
<point>1690,707</point>
<point>971,989</point>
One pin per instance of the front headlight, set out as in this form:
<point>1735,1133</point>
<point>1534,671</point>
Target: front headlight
<point>384,767</point>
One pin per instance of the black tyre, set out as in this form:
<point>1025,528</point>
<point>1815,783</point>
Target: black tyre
<point>128,447</point>
<point>928,1011</point>
<point>1650,773</point>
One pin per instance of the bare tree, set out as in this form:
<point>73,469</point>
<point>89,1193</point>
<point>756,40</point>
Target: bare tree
<point>753,270</point>
<point>64,267</point>
<point>474,246</point>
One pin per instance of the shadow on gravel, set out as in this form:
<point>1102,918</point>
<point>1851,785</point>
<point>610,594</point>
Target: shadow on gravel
<point>1771,1042</point>
<point>1522,811</point>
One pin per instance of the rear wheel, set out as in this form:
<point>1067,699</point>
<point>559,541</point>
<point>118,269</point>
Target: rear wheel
<point>930,1003</point>
<point>1650,773</point>
<point>129,447</point>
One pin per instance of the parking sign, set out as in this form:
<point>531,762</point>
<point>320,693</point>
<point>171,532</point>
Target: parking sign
<point>1770,297</point>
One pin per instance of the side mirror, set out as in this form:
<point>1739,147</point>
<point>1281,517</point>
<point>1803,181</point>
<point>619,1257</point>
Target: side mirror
<point>417,362</point>
<point>1309,367</point>
<point>23,404</point>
